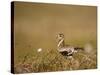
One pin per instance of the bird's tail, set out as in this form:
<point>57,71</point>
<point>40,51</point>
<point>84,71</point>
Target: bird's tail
<point>87,48</point>
<point>79,48</point>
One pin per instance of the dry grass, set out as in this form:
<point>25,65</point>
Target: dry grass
<point>53,61</point>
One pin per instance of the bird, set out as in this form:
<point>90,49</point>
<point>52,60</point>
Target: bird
<point>64,49</point>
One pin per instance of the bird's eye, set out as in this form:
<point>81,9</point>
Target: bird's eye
<point>60,34</point>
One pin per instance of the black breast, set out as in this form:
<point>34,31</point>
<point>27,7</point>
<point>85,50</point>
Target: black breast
<point>65,53</point>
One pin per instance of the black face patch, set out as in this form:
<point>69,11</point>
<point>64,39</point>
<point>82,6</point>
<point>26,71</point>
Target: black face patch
<point>61,35</point>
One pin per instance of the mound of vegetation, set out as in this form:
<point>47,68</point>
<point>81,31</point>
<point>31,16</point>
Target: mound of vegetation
<point>51,60</point>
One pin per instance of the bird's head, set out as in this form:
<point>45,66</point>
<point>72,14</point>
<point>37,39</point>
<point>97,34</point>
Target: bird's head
<point>60,36</point>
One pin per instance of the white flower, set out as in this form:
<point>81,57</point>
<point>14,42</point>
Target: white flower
<point>39,50</point>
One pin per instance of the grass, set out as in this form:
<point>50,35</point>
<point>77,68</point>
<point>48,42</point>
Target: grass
<point>28,59</point>
<point>52,60</point>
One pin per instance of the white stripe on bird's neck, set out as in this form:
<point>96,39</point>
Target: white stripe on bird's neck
<point>60,42</point>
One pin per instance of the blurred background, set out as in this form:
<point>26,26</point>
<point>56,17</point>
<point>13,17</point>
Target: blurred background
<point>36,26</point>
